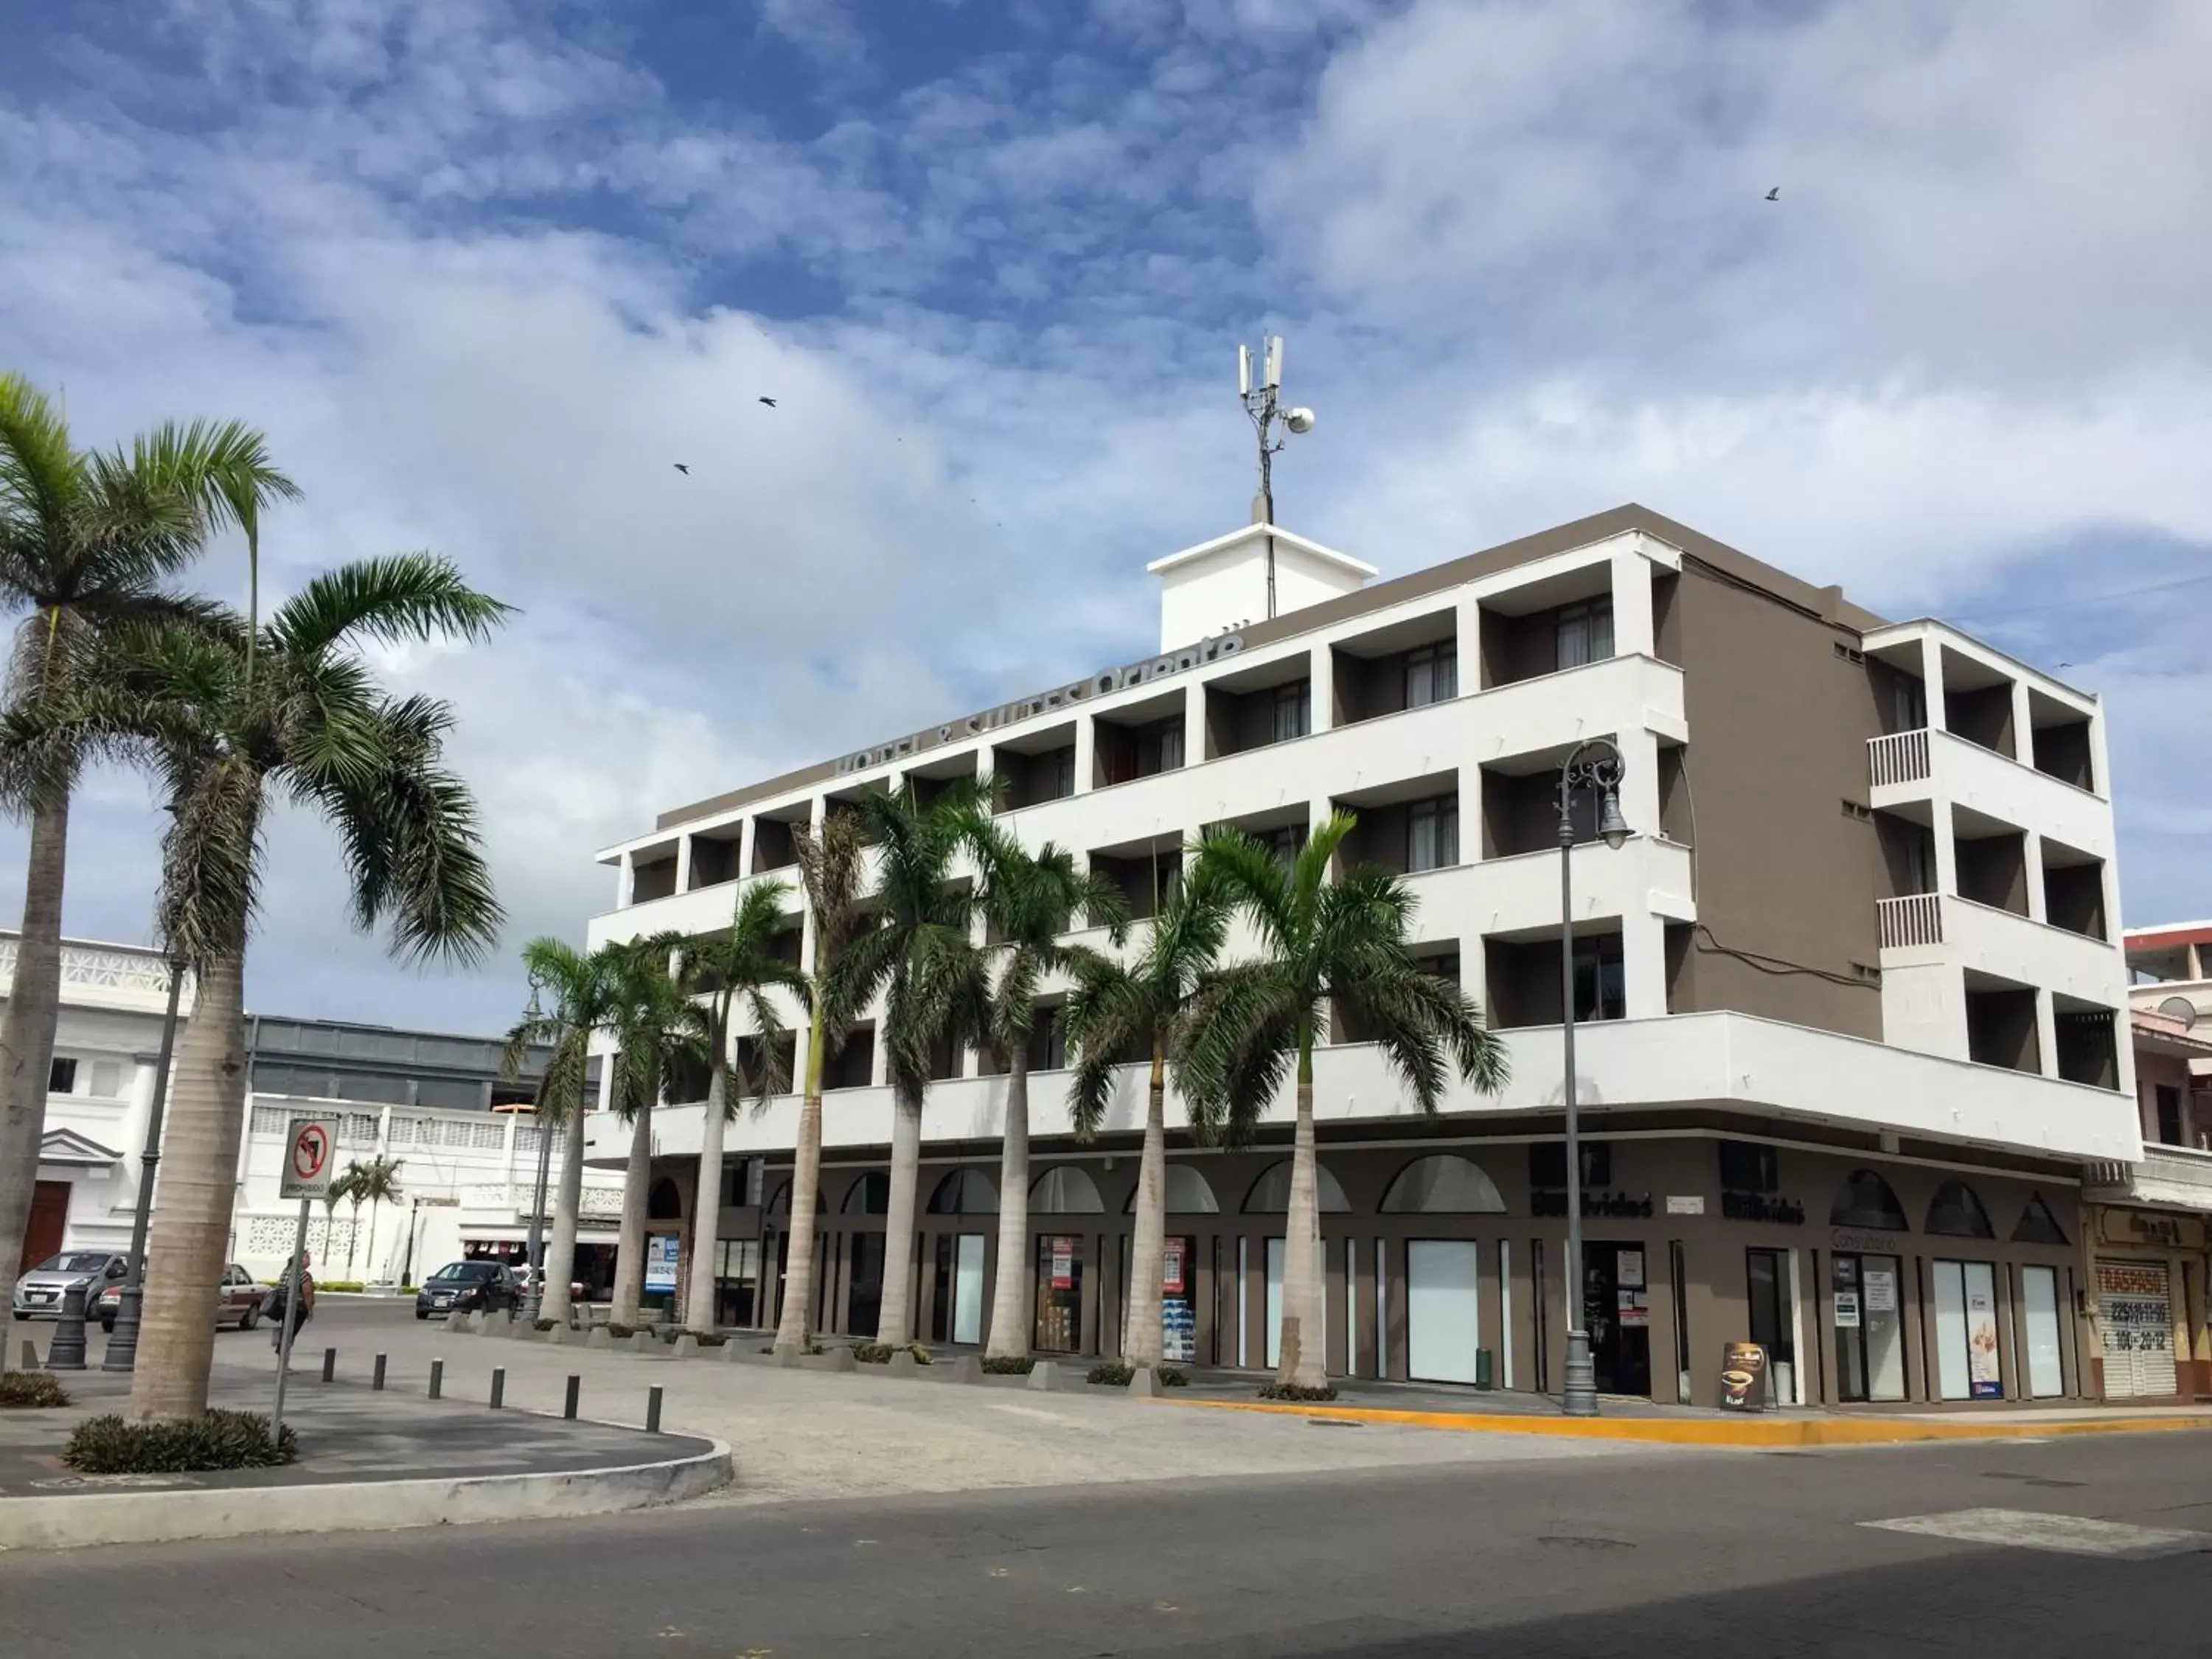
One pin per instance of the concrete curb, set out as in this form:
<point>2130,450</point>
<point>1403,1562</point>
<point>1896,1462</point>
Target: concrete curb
<point>140,1517</point>
<point>1744,1432</point>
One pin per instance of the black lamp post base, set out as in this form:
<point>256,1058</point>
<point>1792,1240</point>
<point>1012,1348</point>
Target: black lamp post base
<point>123,1342</point>
<point>1579,1398</point>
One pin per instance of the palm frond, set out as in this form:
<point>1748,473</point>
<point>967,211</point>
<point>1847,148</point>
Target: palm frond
<point>396,599</point>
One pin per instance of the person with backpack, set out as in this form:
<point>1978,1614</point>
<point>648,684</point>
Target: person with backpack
<point>278,1307</point>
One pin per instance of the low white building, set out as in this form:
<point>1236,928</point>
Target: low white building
<point>465,1143</point>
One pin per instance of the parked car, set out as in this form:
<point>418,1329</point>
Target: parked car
<point>467,1287</point>
<point>38,1292</point>
<point>237,1301</point>
<point>525,1277</point>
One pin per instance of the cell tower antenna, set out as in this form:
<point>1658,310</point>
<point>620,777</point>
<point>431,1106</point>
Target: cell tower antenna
<point>1271,422</point>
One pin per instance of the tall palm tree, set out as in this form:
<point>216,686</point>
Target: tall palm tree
<point>1031,900</point>
<point>1137,1010</point>
<point>656,1038</point>
<point>333,1195</point>
<point>374,1182</point>
<point>831,865</point>
<point>921,955</point>
<point>87,540</point>
<point>314,729</point>
<point>581,988</point>
<point>1322,943</point>
<point>717,972</point>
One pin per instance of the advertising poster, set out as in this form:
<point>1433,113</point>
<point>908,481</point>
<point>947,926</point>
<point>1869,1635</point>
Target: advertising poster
<point>1634,1312</point>
<point>1063,1263</point>
<point>1881,1290</point>
<point>661,1251</point>
<point>1743,1377</point>
<point>1178,1332</point>
<point>1847,1309</point>
<point>1982,1379</point>
<point>1629,1270</point>
<point>1171,1267</point>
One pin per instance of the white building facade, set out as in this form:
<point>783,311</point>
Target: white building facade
<point>1854,987</point>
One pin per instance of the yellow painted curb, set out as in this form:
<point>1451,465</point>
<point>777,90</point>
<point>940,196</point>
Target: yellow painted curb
<point>1869,1430</point>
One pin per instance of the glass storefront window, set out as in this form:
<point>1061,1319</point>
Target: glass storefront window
<point>2046,1372</point>
<point>1867,1317</point>
<point>1966,1358</point>
<point>1059,1294</point>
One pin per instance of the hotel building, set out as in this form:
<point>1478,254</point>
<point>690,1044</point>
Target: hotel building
<point>1854,989</point>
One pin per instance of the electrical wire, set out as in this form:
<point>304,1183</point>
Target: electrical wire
<point>2086,598</point>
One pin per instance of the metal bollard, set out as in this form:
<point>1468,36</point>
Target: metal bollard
<point>575,1388</point>
<point>376,1378</point>
<point>498,1386</point>
<point>330,1364</point>
<point>67,1353</point>
<point>652,1411</point>
<point>437,1379</point>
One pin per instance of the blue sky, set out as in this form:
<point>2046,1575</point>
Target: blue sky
<point>485,269</point>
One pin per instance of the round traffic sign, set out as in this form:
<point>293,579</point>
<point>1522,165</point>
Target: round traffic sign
<point>311,1149</point>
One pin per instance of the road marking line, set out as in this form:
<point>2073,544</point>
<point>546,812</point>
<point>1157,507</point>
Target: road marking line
<point>2032,1529</point>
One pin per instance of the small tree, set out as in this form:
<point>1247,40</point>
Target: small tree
<point>333,1195</point>
<point>374,1182</point>
<point>656,1036</point>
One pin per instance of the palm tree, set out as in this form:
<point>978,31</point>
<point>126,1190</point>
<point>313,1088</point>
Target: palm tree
<point>1322,943</point>
<point>86,541</point>
<point>333,1195</point>
<point>1031,900</point>
<point>919,954</point>
<point>374,1182</point>
<point>1137,1010</point>
<point>717,972</point>
<point>311,728</point>
<point>581,987</point>
<point>830,865</point>
<point>656,1037</point>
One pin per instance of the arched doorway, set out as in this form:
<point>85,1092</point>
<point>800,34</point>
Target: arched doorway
<point>1443,1273</point>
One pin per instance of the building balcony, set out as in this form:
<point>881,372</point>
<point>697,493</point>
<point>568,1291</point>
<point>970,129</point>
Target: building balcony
<point>2168,1177</point>
<point>1922,929</point>
<point>1907,771</point>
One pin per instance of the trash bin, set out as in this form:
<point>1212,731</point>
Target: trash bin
<point>1483,1375</point>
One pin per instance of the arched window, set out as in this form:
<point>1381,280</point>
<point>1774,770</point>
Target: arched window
<point>1271,1193</point>
<point>1442,1184</point>
<point>965,1192</point>
<point>663,1202</point>
<point>1067,1190</point>
<point>1955,1212</point>
<point>779,1202</point>
<point>1187,1193</point>
<point>1867,1201</point>
<point>2036,1224</point>
<point>870,1195</point>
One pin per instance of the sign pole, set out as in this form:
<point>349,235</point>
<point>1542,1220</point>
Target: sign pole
<point>293,1285</point>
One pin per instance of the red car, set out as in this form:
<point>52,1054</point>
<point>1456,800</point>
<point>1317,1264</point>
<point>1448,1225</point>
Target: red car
<point>238,1301</point>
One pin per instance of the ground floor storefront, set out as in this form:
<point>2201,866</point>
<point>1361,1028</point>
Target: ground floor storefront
<point>2146,1273</point>
<point>1866,1279</point>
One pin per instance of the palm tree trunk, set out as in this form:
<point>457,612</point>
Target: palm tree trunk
<point>1304,1360</point>
<point>190,1237</point>
<point>707,1202</point>
<point>353,1237</point>
<point>1010,1317</point>
<point>895,1320</point>
<point>1140,1342</point>
<point>792,1328</point>
<point>26,1035</point>
<point>554,1302</point>
<point>629,1249</point>
<point>372,1236</point>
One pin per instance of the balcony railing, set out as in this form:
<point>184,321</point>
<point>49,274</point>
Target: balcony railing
<point>1915,919</point>
<point>1901,757</point>
<point>2172,1176</point>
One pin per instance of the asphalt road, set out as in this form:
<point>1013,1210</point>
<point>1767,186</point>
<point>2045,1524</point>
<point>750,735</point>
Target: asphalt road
<point>1718,1554</point>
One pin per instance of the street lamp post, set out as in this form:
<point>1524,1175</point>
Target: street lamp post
<point>1594,764</point>
<point>532,1017</point>
<point>123,1346</point>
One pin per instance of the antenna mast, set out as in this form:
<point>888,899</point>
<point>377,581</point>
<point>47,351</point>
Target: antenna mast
<point>1270,421</point>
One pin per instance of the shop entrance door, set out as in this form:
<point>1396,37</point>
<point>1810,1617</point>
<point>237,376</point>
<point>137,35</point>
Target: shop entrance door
<point>1443,1330</point>
<point>1869,1329</point>
<point>955,1312</point>
<point>2135,1317</point>
<point>1773,1324</point>
<point>1617,1312</point>
<point>864,1284</point>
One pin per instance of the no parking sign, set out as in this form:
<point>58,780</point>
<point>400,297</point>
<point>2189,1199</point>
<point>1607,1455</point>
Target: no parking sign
<point>310,1158</point>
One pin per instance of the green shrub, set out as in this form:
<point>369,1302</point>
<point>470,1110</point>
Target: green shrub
<point>547,1324</point>
<point>1111,1374</point>
<point>1168,1377</point>
<point>705,1339</point>
<point>1002,1365</point>
<point>221,1440</point>
<point>921,1355</point>
<point>879,1353</point>
<point>1293,1391</point>
<point>340,1285</point>
<point>31,1390</point>
<point>621,1332</point>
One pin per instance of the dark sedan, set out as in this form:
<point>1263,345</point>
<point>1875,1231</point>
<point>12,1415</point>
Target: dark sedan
<point>467,1287</point>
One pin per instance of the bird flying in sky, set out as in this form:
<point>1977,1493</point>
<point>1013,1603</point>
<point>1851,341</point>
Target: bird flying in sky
<point>1774,195</point>
<point>770,402</point>
<point>680,467</point>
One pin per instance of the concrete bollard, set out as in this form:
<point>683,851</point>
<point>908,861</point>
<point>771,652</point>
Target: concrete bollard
<point>458,1324</point>
<point>66,1351</point>
<point>687,1346</point>
<point>498,1386</point>
<point>30,1355</point>
<point>789,1358</point>
<point>843,1359</point>
<point>560,1335</point>
<point>1143,1383</point>
<point>644,1342</point>
<point>376,1378</point>
<point>330,1364</point>
<point>733,1352</point>
<point>437,1379</point>
<point>600,1337</point>
<point>652,1411</point>
<point>903,1363</point>
<point>967,1369</point>
<point>575,1392</point>
<point>1045,1375</point>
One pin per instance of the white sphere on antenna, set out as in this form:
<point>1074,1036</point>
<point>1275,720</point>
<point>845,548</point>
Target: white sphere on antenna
<point>1299,419</point>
